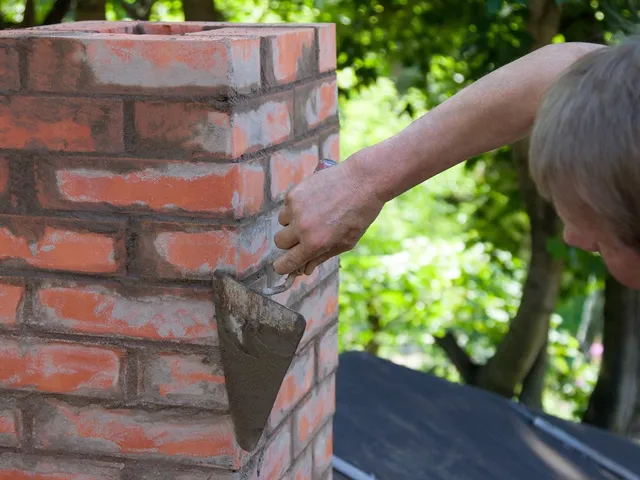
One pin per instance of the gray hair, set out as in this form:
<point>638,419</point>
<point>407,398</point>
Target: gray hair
<point>585,143</point>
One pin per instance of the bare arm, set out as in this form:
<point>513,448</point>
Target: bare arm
<point>497,110</point>
<point>329,211</point>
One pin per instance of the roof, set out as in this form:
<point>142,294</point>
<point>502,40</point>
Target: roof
<point>396,423</point>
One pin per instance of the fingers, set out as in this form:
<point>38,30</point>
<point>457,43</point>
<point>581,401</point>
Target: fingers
<point>313,264</point>
<point>284,217</point>
<point>286,238</point>
<point>290,261</point>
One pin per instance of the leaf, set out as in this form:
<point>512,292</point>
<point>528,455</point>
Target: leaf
<point>493,6</point>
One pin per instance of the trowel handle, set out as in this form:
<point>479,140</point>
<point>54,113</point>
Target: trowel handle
<point>322,164</point>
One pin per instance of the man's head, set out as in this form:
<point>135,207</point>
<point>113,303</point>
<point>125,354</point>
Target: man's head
<point>585,156</point>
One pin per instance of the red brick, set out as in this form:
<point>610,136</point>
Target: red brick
<point>327,47</point>
<point>144,64</point>
<point>294,387</point>
<point>263,125</point>
<point>330,145</point>
<point>11,295</point>
<point>323,450</point>
<point>173,28</point>
<point>60,367</point>
<point>151,313</point>
<point>93,26</point>
<point>191,380</point>
<point>170,435</point>
<point>191,251</point>
<point>61,124</point>
<point>327,353</point>
<point>61,245</point>
<point>289,52</point>
<point>303,467</point>
<point>9,427</point>
<point>277,456</point>
<point>160,471</point>
<point>316,103</point>
<point>197,130</point>
<point>4,174</point>
<point>31,467</point>
<point>319,308</point>
<point>164,186</point>
<point>290,166</point>
<point>9,65</point>
<point>313,413</point>
<point>172,129</point>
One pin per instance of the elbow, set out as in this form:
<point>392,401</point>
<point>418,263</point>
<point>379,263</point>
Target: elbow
<point>570,52</point>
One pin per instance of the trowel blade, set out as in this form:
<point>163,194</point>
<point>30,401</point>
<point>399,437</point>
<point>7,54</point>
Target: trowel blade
<point>258,340</point>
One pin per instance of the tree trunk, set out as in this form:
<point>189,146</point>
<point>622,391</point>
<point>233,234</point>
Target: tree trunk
<point>523,347</point>
<point>614,403</point>
<point>90,10</point>
<point>29,18</point>
<point>57,12</point>
<point>533,384</point>
<point>373,320</point>
<point>528,331</point>
<point>201,11</point>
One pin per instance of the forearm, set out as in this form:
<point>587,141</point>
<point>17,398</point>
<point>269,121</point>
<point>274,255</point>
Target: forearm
<point>497,110</point>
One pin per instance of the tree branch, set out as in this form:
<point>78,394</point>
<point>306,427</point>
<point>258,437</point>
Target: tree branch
<point>57,12</point>
<point>137,11</point>
<point>465,366</point>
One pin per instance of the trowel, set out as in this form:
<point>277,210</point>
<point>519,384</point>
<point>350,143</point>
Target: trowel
<point>258,340</point>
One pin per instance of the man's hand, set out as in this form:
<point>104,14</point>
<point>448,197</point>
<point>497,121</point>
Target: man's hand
<point>325,215</point>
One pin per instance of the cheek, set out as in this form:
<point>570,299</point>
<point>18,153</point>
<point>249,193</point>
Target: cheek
<point>624,265</point>
<point>579,240</point>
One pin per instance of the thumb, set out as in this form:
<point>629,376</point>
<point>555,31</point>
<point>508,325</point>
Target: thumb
<point>290,261</point>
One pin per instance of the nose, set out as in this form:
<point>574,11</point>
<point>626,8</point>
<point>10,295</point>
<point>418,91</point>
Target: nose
<point>579,240</point>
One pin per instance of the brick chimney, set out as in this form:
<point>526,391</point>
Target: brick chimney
<point>135,159</point>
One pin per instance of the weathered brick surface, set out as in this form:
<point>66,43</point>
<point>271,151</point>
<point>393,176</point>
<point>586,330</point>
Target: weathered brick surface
<point>160,186</point>
<point>11,297</point>
<point>60,367</point>
<point>175,314</point>
<point>327,48</point>
<point>319,308</point>
<point>312,413</point>
<point>295,386</point>
<point>290,53</point>
<point>4,176</point>
<point>192,380</point>
<point>61,124</point>
<point>9,426</point>
<point>302,469</point>
<point>63,245</point>
<point>316,103</point>
<point>136,159</point>
<point>330,145</point>
<point>290,166</point>
<point>93,429</point>
<point>277,456</point>
<point>9,65</point>
<point>323,450</point>
<point>194,251</point>
<point>32,467</point>
<point>327,358</point>
<point>147,64</point>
